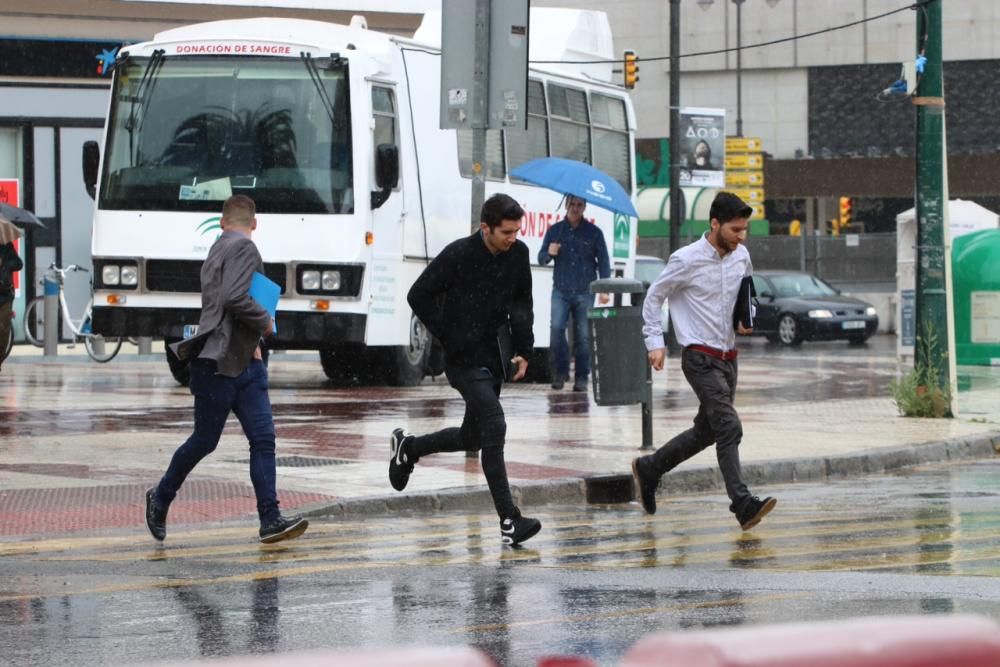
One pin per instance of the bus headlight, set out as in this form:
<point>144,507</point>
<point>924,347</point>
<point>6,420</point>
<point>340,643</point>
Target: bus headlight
<point>310,280</point>
<point>331,280</point>
<point>111,274</point>
<point>129,275</point>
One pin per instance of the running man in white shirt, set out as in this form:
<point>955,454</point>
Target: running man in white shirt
<point>702,281</point>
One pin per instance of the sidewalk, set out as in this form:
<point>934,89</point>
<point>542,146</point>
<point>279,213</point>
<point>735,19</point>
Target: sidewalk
<point>82,441</point>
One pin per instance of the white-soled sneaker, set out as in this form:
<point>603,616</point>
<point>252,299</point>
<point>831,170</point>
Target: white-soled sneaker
<point>517,529</point>
<point>400,465</point>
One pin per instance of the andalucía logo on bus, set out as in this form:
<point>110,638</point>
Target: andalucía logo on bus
<point>210,225</point>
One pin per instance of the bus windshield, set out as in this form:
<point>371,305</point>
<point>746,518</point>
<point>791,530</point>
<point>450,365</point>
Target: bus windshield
<point>187,132</point>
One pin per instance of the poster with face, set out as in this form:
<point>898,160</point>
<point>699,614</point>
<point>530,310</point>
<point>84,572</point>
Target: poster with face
<point>703,147</point>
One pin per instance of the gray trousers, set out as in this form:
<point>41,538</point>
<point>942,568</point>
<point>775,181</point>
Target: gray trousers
<point>714,382</point>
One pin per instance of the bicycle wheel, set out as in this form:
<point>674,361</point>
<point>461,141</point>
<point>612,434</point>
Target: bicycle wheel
<point>34,322</point>
<point>111,347</point>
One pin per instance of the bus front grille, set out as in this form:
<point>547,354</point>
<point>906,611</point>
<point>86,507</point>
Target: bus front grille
<point>181,275</point>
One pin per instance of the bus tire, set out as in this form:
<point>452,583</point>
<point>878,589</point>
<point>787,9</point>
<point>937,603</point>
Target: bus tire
<point>346,364</point>
<point>179,368</point>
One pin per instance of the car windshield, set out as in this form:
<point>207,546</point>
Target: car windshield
<point>185,133</point>
<point>647,270</point>
<point>801,285</point>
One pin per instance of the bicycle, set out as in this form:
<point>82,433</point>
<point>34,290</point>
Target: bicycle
<point>100,348</point>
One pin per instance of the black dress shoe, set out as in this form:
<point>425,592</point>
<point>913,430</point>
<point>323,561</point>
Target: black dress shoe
<point>156,517</point>
<point>754,509</point>
<point>283,528</point>
<point>644,485</point>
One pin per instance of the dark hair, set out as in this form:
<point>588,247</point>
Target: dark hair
<point>239,210</point>
<point>726,207</point>
<point>498,208</point>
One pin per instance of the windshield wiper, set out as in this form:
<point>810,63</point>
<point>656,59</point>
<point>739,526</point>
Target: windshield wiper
<point>145,86</point>
<point>317,80</point>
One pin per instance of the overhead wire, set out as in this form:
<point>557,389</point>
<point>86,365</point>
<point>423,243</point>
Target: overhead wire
<point>921,5</point>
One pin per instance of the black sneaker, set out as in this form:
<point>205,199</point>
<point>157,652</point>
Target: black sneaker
<point>644,486</point>
<point>514,530</point>
<point>283,528</point>
<point>580,384</point>
<point>558,383</point>
<point>400,463</point>
<point>754,509</point>
<point>156,518</point>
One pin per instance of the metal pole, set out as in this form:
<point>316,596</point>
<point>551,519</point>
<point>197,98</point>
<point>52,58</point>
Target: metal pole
<point>647,392</point>
<point>739,67</point>
<point>50,323</point>
<point>931,267</point>
<point>479,121</point>
<point>676,197</point>
<point>145,345</point>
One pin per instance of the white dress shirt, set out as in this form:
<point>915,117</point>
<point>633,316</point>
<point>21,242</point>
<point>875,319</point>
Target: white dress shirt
<point>702,288</point>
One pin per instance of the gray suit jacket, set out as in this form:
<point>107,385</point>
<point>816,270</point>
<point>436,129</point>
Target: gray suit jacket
<point>231,323</point>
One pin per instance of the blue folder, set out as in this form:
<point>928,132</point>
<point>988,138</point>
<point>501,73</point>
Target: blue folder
<point>266,292</point>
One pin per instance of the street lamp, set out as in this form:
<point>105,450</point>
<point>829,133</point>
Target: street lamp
<point>705,4</point>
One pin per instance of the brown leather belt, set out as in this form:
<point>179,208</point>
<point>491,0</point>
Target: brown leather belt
<point>725,355</point>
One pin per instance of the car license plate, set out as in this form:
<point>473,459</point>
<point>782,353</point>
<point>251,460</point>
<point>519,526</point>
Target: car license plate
<point>855,324</point>
<point>192,330</point>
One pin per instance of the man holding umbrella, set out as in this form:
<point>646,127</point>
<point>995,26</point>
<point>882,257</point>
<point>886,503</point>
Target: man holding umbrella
<point>580,254</point>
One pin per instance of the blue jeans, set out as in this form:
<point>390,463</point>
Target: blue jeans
<point>215,396</point>
<point>565,304</point>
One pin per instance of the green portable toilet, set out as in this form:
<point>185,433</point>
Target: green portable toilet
<point>975,267</point>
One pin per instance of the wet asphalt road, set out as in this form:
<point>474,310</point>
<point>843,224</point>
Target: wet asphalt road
<point>593,582</point>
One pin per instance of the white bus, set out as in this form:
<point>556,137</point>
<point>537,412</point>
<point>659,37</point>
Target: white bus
<point>310,119</point>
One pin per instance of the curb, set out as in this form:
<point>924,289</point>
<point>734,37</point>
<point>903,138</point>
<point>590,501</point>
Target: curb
<point>617,488</point>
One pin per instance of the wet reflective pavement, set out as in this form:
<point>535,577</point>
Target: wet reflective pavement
<point>80,442</point>
<point>594,581</point>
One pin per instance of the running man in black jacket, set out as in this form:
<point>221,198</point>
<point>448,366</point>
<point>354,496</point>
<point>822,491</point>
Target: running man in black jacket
<point>478,286</point>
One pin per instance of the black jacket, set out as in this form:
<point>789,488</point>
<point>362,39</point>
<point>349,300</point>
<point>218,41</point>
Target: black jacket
<point>466,293</point>
<point>10,264</point>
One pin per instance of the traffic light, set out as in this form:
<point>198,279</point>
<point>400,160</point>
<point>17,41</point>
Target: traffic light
<point>631,68</point>
<point>845,213</point>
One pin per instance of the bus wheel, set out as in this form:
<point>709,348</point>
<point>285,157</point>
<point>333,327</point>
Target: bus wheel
<point>179,368</point>
<point>346,364</point>
<point>407,365</point>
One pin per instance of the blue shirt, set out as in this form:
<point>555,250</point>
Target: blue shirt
<point>583,256</point>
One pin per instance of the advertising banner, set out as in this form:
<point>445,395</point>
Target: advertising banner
<point>703,147</point>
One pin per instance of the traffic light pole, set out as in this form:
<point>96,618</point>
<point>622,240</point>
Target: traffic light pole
<point>932,266</point>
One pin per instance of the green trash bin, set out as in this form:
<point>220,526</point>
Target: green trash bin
<point>618,354</point>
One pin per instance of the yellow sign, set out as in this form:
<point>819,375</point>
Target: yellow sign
<point>743,144</point>
<point>753,179</point>
<point>758,211</point>
<point>744,162</point>
<point>750,195</point>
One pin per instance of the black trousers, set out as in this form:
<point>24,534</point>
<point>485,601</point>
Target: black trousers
<point>483,429</point>
<point>714,382</point>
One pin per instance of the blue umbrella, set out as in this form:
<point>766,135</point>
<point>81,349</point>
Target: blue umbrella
<point>579,179</point>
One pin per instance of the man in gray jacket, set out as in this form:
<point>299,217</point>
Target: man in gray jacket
<point>228,375</point>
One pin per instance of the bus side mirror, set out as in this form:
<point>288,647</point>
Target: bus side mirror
<point>91,161</point>
<point>386,173</point>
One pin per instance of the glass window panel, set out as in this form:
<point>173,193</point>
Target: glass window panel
<point>202,128</point>
<point>568,103</point>
<point>526,145</point>
<point>570,140</point>
<point>382,101</point>
<point>611,155</point>
<point>608,111</point>
<point>536,98</point>
<point>494,154</point>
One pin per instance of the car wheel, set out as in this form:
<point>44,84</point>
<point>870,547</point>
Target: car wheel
<point>788,330</point>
